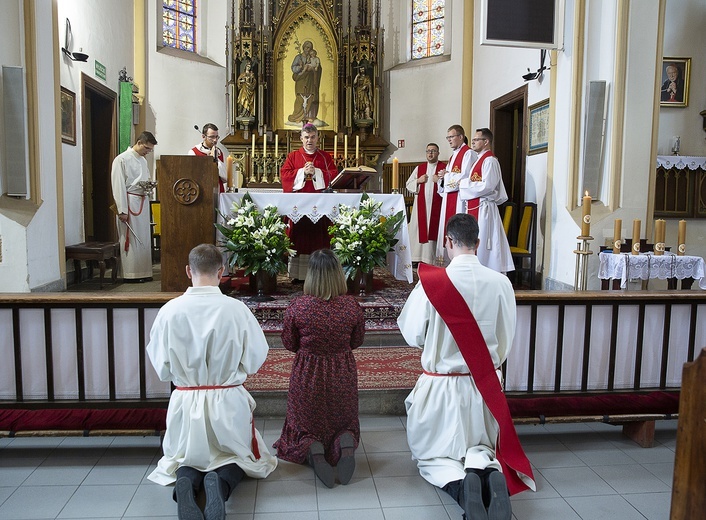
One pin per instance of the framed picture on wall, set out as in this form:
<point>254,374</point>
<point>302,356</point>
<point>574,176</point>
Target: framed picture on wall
<point>68,117</point>
<point>674,88</point>
<point>538,127</point>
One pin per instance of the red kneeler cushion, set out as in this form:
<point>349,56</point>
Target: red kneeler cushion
<point>153,419</point>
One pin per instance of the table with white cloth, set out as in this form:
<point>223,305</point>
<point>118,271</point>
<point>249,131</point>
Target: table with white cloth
<point>314,206</point>
<point>671,267</point>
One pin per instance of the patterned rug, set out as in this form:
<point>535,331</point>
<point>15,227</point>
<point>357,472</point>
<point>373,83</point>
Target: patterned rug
<point>381,312</point>
<point>387,368</point>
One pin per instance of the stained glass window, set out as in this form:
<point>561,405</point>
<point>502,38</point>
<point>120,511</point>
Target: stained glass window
<point>427,28</point>
<point>179,24</point>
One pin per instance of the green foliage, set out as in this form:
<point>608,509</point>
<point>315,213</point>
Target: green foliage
<point>256,240</point>
<point>363,236</point>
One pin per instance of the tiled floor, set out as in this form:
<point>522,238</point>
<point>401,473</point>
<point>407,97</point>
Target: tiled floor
<point>583,471</point>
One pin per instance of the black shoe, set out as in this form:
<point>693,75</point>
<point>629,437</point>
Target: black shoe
<point>186,504</point>
<point>346,464</point>
<point>215,503</point>
<point>322,469</point>
<point>473,497</point>
<point>499,508</point>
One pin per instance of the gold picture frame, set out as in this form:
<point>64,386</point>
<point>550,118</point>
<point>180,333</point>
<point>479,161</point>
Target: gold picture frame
<point>674,86</point>
<point>538,135</point>
<point>68,117</point>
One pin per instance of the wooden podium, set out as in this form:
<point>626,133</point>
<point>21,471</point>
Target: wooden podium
<point>188,193</point>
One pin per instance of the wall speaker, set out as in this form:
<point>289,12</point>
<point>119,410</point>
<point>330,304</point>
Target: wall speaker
<point>15,110</point>
<point>594,138</point>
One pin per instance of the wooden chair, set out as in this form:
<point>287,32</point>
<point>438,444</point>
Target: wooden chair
<point>525,247</point>
<point>508,209</point>
<point>156,224</point>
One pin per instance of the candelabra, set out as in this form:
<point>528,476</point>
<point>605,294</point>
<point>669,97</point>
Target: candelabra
<point>254,160</point>
<point>582,251</point>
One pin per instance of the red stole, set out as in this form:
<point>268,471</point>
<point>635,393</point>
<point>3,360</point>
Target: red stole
<point>219,155</point>
<point>472,205</point>
<point>452,197</point>
<point>454,310</point>
<point>433,221</point>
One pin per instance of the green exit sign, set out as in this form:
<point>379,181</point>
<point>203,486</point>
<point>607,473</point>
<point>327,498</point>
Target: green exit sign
<point>100,70</point>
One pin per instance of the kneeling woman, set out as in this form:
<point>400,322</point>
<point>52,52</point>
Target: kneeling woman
<point>323,327</point>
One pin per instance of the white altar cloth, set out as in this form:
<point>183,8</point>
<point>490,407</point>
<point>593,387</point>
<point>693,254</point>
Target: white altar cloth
<point>317,205</point>
<point>626,266</point>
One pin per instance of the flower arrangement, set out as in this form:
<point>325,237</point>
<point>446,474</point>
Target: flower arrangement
<point>256,240</point>
<point>362,236</point>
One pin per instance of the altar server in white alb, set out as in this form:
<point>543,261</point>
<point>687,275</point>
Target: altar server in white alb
<point>426,211</point>
<point>482,193</point>
<point>207,344</point>
<point>457,168</point>
<point>132,206</point>
<point>463,317</point>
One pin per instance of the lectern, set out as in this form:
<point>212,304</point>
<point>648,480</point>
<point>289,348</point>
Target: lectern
<point>353,179</point>
<point>188,191</point>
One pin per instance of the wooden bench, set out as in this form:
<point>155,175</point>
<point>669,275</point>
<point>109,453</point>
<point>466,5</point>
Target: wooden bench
<point>90,252</point>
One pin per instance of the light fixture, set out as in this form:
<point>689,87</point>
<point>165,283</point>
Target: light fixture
<point>540,71</point>
<point>68,42</point>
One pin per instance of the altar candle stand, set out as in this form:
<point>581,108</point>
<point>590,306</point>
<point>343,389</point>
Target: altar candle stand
<point>395,175</point>
<point>681,238</point>
<point>617,231</point>
<point>660,225</point>
<point>583,250</point>
<point>636,236</point>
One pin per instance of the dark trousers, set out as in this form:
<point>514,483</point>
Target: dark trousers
<point>229,476</point>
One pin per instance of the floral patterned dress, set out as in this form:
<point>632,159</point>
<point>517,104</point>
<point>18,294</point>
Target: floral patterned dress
<point>322,403</point>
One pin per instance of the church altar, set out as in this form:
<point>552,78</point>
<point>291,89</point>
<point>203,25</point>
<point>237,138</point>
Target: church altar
<point>626,266</point>
<point>314,206</point>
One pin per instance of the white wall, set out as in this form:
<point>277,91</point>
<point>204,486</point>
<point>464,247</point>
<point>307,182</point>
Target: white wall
<point>104,29</point>
<point>183,93</point>
<point>425,96</point>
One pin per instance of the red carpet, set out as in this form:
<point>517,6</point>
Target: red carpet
<point>378,369</point>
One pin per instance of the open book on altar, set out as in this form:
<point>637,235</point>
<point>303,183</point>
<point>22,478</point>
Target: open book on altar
<point>353,178</point>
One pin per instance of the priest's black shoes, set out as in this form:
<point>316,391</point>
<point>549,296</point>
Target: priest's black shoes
<point>322,469</point>
<point>215,508</point>
<point>473,497</point>
<point>499,507</point>
<point>187,509</point>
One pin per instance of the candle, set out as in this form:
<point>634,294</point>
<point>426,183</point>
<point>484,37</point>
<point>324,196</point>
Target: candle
<point>229,170</point>
<point>357,147</point>
<point>636,237</point>
<point>264,145</point>
<point>659,236</point>
<point>335,145</point>
<point>617,230</point>
<point>681,238</point>
<point>252,152</point>
<point>395,173</point>
<point>586,216</point>
<point>345,146</point>
<point>276,144</point>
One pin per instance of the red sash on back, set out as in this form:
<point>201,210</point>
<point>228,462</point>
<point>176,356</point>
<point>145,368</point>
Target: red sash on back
<point>452,197</point>
<point>219,155</point>
<point>472,205</point>
<point>454,310</point>
<point>433,221</point>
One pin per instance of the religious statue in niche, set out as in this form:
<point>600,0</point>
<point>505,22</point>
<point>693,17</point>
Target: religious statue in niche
<point>247,84</point>
<point>363,100</point>
<point>306,73</point>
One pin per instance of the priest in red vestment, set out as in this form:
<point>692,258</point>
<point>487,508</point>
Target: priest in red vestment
<point>307,170</point>
<point>209,146</point>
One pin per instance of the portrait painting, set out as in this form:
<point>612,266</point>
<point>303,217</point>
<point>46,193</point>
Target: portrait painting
<point>68,116</point>
<point>538,127</point>
<point>674,87</point>
<point>307,72</point>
